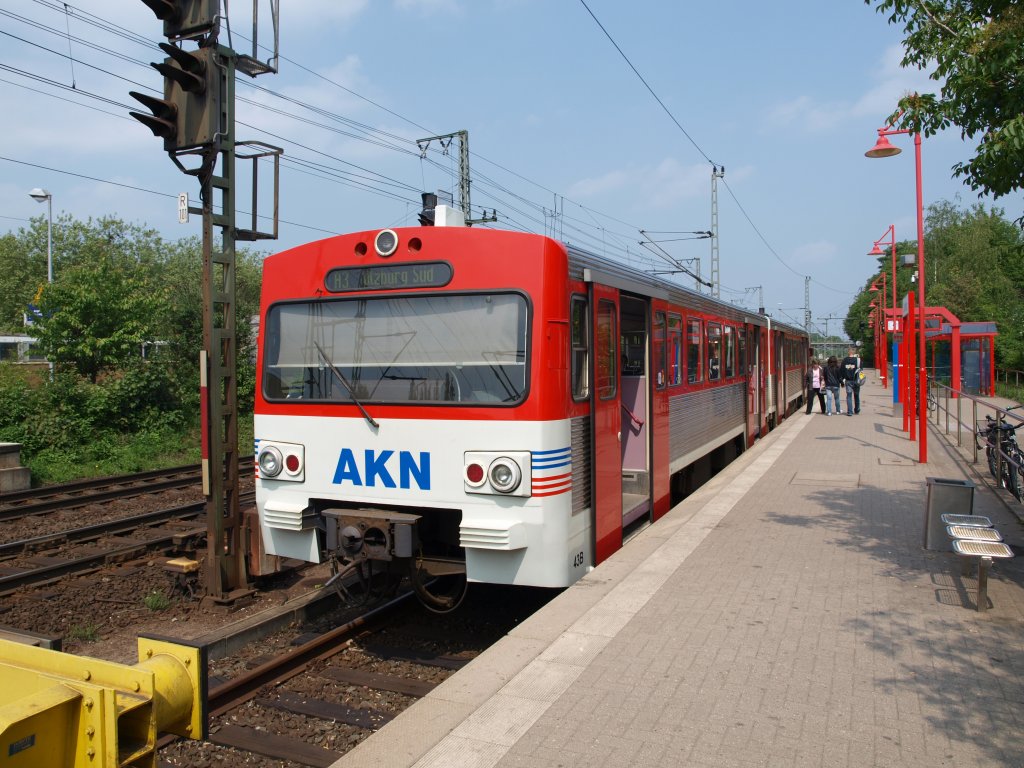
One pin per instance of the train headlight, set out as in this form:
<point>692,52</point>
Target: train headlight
<point>280,461</point>
<point>504,475</point>
<point>271,462</point>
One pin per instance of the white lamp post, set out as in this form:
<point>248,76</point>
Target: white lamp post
<point>39,195</point>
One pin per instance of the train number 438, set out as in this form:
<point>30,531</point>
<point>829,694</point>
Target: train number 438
<point>577,560</point>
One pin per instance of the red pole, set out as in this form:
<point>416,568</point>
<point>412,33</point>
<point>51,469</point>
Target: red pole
<point>904,378</point>
<point>911,366</point>
<point>885,332</point>
<point>922,373</point>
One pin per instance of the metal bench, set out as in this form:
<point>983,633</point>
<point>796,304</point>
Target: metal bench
<point>985,551</point>
<point>973,521</point>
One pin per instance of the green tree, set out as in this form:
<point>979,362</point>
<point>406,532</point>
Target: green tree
<point>181,280</point>
<point>97,316</point>
<point>975,50</point>
<point>975,262</point>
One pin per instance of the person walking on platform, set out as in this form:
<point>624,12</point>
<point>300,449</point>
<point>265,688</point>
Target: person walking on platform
<point>815,381</point>
<point>850,368</point>
<point>833,379</point>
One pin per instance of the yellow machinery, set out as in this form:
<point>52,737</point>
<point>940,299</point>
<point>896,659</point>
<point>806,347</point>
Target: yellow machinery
<point>64,711</point>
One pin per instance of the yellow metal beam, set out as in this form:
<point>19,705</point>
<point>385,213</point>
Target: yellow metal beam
<point>78,712</point>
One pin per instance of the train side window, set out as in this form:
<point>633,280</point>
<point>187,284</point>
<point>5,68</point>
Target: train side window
<point>606,375</point>
<point>714,351</point>
<point>694,347</point>
<point>730,351</point>
<point>579,348</point>
<point>659,350</point>
<point>675,350</point>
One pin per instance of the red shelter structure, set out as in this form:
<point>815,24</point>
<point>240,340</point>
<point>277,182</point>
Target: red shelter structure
<point>962,353</point>
<point>970,348</point>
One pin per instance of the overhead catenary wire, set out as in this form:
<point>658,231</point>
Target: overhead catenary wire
<point>524,214</point>
<point>703,154</point>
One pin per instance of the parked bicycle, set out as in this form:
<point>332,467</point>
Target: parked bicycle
<point>1007,468</point>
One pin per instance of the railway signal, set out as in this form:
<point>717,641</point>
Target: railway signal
<point>189,115</point>
<point>185,18</point>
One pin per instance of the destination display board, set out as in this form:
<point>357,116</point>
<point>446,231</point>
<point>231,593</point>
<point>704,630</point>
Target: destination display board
<point>427,274</point>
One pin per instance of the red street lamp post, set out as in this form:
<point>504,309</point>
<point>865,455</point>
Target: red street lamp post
<point>890,233</point>
<point>882,350</point>
<point>883,148</point>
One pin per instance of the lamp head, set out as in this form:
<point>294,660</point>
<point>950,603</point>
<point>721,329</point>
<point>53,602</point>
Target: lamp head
<point>39,195</point>
<point>876,251</point>
<point>882,148</point>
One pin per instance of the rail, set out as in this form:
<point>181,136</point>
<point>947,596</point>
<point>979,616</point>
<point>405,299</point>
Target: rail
<point>1003,375</point>
<point>939,405</point>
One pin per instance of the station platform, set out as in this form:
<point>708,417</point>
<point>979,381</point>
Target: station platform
<point>785,614</point>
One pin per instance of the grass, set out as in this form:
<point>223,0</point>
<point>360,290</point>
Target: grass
<point>87,633</point>
<point>1010,392</point>
<point>156,601</point>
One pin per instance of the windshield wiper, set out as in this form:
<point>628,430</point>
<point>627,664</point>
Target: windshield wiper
<point>351,391</point>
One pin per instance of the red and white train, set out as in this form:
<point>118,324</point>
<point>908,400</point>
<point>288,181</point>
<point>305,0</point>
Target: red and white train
<point>494,404</point>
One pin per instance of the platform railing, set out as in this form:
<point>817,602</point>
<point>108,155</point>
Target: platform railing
<point>941,394</point>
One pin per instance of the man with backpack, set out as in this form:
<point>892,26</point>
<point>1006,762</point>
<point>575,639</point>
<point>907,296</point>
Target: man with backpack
<point>850,370</point>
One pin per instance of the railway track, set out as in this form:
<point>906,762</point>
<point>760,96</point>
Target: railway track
<point>264,686</point>
<point>81,493</point>
<point>48,558</point>
<point>319,694</point>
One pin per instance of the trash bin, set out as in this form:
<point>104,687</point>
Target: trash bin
<point>945,497</point>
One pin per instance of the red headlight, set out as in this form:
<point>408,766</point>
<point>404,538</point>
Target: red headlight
<point>291,463</point>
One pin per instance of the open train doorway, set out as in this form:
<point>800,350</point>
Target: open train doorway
<point>635,413</point>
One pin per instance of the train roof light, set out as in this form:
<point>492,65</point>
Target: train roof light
<point>385,243</point>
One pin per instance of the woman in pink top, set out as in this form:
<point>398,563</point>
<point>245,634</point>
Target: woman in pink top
<point>815,382</point>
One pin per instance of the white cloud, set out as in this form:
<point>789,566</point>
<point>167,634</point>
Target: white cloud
<point>892,82</point>
<point>814,254</point>
<point>427,7</point>
<point>889,82</point>
<point>315,13</point>
<point>805,112</point>
<point>659,187</point>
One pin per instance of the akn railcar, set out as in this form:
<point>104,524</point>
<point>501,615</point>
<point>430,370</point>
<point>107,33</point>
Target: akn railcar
<point>494,404</point>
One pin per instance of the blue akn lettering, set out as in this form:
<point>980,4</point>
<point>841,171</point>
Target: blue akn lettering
<point>374,471</point>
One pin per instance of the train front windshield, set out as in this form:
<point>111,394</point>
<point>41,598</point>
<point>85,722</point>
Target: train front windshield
<point>450,348</point>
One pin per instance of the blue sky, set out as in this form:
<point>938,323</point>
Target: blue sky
<point>786,96</point>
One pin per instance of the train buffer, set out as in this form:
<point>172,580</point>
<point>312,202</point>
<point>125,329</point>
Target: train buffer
<point>63,710</point>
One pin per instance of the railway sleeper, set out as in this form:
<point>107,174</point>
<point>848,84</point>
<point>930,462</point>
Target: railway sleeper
<point>273,746</point>
<point>380,681</point>
<point>300,704</point>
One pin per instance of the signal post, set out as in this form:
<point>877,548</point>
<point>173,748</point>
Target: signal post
<point>196,120</point>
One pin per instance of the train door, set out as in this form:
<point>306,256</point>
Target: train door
<point>768,376</point>
<point>636,407</point>
<point>755,384</point>
<point>780,379</point>
<point>606,464</point>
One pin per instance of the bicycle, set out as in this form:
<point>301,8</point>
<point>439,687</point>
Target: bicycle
<point>1008,468</point>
